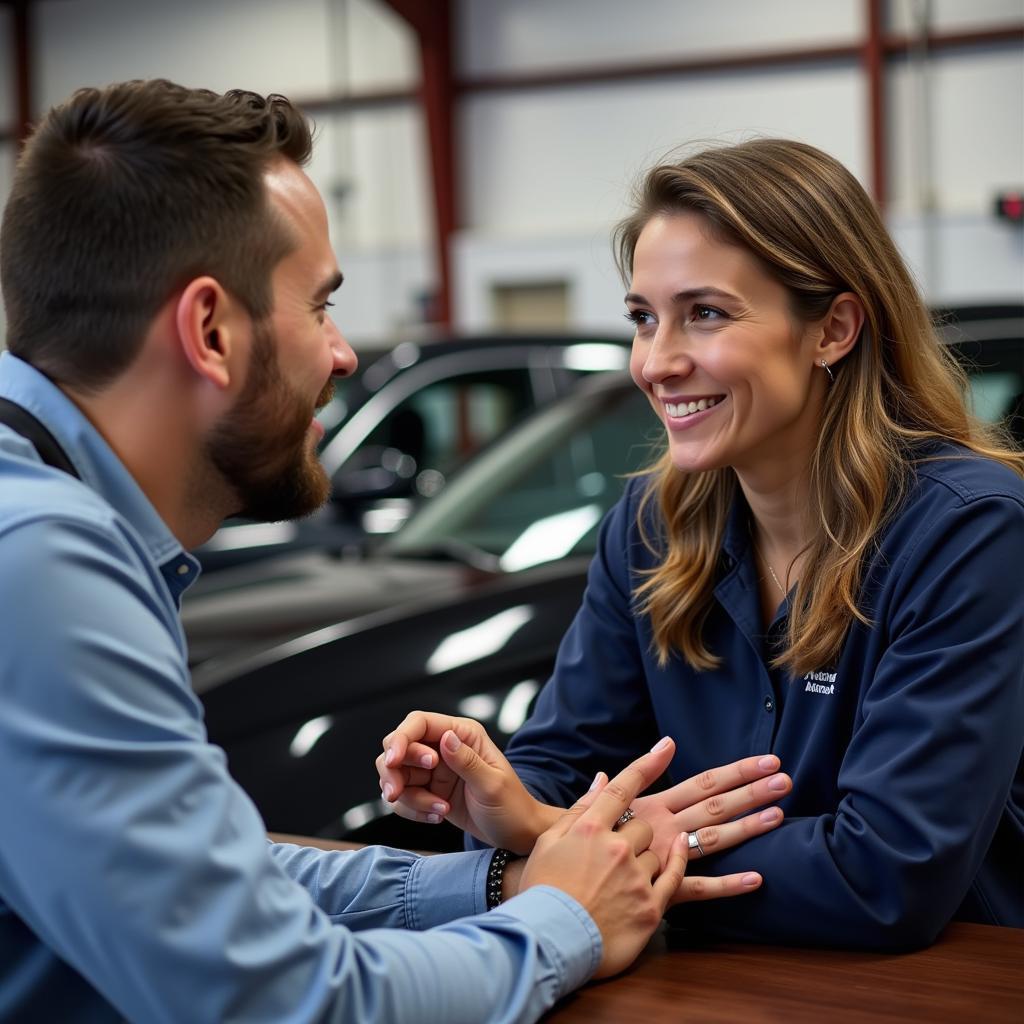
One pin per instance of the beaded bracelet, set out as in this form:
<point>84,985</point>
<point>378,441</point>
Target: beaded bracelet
<point>494,876</point>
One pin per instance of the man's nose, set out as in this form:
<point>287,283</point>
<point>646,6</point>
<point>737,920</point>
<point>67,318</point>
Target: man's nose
<point>345,361</point>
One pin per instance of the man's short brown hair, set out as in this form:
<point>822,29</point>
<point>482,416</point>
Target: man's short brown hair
<point>124,194</point>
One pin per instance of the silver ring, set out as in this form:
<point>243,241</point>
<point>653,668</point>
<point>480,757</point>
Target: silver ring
<point>694,843</point>
<point>627,816</point>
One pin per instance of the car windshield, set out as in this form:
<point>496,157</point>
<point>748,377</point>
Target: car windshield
<point>539,494</point>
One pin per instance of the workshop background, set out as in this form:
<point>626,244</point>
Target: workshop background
<point>474,154</point>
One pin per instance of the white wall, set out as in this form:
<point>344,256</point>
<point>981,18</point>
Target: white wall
<point>953,15</point>
<point>559,159</point>
<point>499,35</point>
<point>545,172</point>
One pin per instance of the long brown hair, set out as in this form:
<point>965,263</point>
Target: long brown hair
<point>812,227</point>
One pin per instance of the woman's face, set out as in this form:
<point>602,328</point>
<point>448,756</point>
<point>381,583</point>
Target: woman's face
<point>728,369</point>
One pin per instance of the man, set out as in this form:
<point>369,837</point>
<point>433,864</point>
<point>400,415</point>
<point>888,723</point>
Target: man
<point>166,271</point>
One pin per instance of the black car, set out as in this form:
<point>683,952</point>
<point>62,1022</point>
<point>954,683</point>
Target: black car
<point>407,419</point>
<point>303,663</point>
<point>310,661</point>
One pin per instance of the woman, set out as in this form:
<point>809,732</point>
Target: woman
<point>825,564</point>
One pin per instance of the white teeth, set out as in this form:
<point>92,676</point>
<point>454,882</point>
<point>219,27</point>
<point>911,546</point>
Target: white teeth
<point>683,409</point>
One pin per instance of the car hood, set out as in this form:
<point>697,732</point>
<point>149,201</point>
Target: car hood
<point>270,602</point>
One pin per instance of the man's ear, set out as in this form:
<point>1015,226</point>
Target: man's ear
<point>207,320</point>
<point>840,328</point>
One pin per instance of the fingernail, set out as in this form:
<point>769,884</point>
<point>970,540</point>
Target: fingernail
<point>778,783</point>
<point>427,761</point>
<point>661,744</point>
<point>770,815</point>
<point>593,785</point>
<point>389,757</point>
<point>768,763</point>
<point>389,791</point>
<point>440,808</point>
<point>750,879</point>
<point>434,819</point>
<point>452,742</point>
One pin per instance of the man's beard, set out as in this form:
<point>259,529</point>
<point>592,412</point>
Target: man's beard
<point>262,448</point>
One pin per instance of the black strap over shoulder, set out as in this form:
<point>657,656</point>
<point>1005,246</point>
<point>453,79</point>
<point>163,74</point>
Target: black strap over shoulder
<point>22,421</point>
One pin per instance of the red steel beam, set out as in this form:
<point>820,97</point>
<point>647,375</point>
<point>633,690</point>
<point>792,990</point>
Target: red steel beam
<point>740,61</point>
<point>21,66</point>
<point>874,69</point>
<point>432,23</point>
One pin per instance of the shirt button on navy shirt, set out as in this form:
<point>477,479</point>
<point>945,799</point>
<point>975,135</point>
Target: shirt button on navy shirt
<point>769,704</point>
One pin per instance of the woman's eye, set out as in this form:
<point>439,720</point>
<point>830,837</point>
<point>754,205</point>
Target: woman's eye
<point>639,317</point>
<point>707,313</point>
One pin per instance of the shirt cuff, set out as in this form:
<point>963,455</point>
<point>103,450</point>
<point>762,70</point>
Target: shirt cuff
<point>565,930</point>
<point>447,886</point>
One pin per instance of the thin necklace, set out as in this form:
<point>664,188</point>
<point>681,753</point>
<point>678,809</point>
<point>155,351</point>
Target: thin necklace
<point>768,565</point>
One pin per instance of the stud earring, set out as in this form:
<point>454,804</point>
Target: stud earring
<point>831,377</point>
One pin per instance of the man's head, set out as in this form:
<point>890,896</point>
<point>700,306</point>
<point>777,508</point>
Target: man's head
<point>124,194</point>
<point>163,247</point>
<point>264,447</point>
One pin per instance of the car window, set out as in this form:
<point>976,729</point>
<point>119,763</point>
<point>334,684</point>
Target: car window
<point>440,425</point>
<point>542,496</point>
<point>996,375</point>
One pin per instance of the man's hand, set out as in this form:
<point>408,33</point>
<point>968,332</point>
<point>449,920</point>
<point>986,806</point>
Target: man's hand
<point>436,766</point>
<point>613,874</point>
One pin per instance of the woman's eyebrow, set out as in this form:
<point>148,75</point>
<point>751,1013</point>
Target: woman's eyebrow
<point>687,295</point>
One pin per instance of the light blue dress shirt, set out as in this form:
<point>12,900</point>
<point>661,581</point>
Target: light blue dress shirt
<point>136,880</point>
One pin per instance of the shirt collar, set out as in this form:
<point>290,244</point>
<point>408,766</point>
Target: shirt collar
<point>736,539</point>
<point>96,464</point>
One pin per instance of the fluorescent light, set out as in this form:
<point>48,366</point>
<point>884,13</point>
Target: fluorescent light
<point>305,739</point>
<point>550,538</point>
<point>516,704</point>
<point>251,535</point>
<point>594,355</point>
<point>481,706</point>
<point>362,814</point>
<point>487,637</point>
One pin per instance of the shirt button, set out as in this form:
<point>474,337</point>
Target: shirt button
<point>769,704</point>
<point>183,569</point>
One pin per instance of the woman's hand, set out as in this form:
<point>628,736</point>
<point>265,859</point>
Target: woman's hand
<point>436,766</point>
<point>706,804</point>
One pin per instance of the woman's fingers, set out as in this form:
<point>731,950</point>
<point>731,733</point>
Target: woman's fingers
<point>715,838</point>
<point>735,776</point>
<point>724,806</point>
<point>706,887</point>
<point>393,782</point>
<point>419,804</point>
<point>419,755</point>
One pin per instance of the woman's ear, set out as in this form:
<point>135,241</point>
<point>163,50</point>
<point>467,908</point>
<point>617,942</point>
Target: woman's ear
<point>206,320</point>
<point>840,329</point>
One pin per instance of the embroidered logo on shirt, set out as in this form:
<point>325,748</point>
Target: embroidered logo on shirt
<point>815,683</point>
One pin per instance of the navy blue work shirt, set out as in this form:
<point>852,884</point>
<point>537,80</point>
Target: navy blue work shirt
<point>907,807</point>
